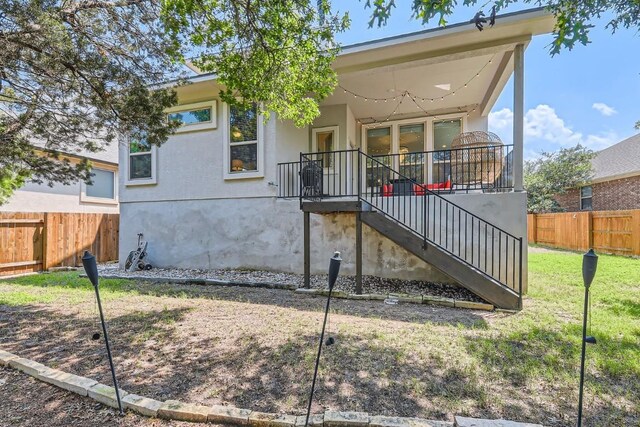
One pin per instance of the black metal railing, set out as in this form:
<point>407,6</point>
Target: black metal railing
<point>491,250</point>
<point>489,169</point>
<point>288,179</point>
<point>327,174</point>
<point>462,170</point>
<point>403,197</point>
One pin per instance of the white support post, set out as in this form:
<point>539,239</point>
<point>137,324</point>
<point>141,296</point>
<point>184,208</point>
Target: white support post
<point>518,118</point>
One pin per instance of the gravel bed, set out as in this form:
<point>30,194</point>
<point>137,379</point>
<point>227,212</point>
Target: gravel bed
<point>370,284</point>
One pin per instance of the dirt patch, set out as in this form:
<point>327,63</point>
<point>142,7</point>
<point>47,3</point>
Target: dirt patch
<point>29,402</point>
<point>247,347</point>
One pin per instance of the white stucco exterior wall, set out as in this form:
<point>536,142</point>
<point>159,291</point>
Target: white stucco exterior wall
<point>34,197</point>
<point>59,198</point>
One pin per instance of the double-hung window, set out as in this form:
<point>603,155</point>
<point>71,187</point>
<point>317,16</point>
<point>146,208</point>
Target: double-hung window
<point>141,163</point>
<point>586,193</point>
<point>243,145</point>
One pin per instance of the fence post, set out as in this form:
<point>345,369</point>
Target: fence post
<point>590,229</point>
<point>45,242</point>
<point>635,232</point>
<point>531,228</point>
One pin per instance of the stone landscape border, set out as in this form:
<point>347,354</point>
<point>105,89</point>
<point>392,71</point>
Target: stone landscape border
<point>404,299</point>
<point>179,411</point>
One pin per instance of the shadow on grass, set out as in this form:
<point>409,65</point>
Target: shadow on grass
<point>155,357</point>
<point>623,307</point>
<point>413,313</point>
<point>526,376</point>
<point>540,360</point>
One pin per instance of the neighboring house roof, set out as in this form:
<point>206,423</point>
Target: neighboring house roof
<point>108,154</point>
<point>618,161</point>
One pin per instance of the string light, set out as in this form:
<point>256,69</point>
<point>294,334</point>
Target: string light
<point>412,95</point>
<point>405,95</point>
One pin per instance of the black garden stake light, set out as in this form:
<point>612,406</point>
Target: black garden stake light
<point>334,269</point>
<point>589,267</point>
<point>91,268</point>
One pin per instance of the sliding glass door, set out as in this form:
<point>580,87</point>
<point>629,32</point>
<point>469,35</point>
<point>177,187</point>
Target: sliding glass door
<point>419,149</point>
<point>443,133</point>
<point>379,146</point>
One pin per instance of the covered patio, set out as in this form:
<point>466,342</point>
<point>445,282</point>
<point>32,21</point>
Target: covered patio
<point>405,100</point>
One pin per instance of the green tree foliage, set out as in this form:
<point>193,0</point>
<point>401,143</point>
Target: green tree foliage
<point>277,52</point>
<point>555,173</point>
<point>74,76</point>
<point>575,18</point>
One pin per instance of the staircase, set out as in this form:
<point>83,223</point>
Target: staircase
<point>480,256</point>
<point>462,272</point>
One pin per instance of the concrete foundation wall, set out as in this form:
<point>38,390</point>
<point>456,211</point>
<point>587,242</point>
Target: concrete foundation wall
<point>267,233</point>
<point>261,233</point>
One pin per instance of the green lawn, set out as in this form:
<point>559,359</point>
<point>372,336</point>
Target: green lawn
<point>252,347</point>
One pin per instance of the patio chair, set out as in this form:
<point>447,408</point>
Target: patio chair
<point>311,175</point>
<point>476,160</point>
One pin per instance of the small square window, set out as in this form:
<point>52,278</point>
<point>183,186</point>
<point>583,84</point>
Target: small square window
<point>140,166</point>
<point>102,184</point>
<point>101,188</point>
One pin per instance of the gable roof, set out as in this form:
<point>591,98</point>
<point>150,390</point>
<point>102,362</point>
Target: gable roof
<point>618,161</point>
<point>515,26</point>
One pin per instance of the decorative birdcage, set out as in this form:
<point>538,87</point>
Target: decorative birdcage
<point>476,159</point>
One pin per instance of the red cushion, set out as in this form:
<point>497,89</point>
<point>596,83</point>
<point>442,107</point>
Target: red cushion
<point>387,190</point>
<point>419,189</point>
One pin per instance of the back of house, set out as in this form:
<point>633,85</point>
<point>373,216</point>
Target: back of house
<point>401,147</point>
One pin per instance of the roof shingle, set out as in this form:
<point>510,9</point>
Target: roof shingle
<point>618,160</point>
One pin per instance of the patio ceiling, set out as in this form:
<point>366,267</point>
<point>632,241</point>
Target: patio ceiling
<point>433,64</point>
<point>437,87</point>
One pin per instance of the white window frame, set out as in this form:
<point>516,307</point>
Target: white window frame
<point>395,129</point>
<point>336,138</point>
<point>583,198</point>
<point>194,127</point>
<point>226,148</point>
<point>141,181</point>
<point>428,132</point>
<point>102,200</point>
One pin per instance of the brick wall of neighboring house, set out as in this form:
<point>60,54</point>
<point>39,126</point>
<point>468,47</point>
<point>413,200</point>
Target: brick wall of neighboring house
<point>618,194</point>
<point>569,201</point>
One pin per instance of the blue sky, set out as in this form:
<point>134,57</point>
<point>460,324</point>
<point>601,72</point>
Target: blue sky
<point>589,95</point>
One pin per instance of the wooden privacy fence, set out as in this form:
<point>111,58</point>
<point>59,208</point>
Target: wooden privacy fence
<point>613,232</point>
<point>38,241</point>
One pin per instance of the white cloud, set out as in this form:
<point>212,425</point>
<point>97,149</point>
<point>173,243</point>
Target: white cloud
<point>544,130</point>
<point>604,109</point>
